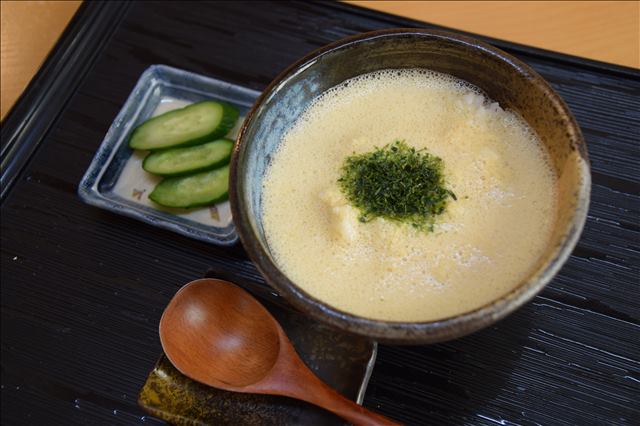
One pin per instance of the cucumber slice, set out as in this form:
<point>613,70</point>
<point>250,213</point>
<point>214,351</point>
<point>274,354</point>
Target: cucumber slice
<point>192,159</point>
<point>191,125</point>
<point>200,189</point>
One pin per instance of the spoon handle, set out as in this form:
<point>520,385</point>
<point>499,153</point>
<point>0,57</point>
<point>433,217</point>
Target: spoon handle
<point>345,408</point>
<point>316,392</point>
<point>291,377</point>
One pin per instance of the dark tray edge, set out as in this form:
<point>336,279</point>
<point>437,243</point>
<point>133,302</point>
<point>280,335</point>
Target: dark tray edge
<point>66,66</point>
<point>48,93</point>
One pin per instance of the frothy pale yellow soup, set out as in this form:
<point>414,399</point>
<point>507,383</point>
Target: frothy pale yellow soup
<point>482,246</point>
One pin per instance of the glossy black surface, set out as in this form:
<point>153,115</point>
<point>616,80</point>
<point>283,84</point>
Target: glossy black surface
<point>83,289</point>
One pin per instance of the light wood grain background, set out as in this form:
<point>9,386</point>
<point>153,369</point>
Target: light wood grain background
<point>603,30</point>
<point>606,31</point>
<point>29,31</point>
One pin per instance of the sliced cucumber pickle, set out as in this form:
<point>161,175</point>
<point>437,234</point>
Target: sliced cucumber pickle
<point>192,159</point>
<point>192,125</point>
<point>200,189</point>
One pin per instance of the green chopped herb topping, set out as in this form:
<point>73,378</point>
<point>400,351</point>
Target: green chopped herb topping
<point>396,182</point>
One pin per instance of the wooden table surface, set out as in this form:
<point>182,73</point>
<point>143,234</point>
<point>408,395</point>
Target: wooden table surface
<point>605,31</point>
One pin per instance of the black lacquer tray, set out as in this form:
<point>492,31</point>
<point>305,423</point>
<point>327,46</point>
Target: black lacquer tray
<point>83,289</point>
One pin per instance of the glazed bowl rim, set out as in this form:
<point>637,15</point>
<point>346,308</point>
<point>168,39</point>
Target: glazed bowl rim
<point>406,332</point>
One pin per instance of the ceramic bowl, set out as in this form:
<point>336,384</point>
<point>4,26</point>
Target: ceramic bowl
<point>503,78</point>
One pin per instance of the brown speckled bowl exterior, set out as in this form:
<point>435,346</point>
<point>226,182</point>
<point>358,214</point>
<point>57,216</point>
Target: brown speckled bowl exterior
<point>503,78</point>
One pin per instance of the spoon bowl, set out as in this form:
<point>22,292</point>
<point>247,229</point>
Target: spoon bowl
<point>216,333</point>
<point>204,341</point>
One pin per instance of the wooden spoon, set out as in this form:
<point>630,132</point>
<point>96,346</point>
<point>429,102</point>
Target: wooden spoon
<point>216,333</point>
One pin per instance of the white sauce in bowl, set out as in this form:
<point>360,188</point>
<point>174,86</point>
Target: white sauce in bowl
<point>485,243</point>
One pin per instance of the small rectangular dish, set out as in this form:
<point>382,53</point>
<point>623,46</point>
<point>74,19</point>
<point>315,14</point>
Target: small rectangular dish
<point>115,179</point>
